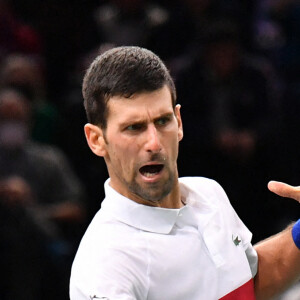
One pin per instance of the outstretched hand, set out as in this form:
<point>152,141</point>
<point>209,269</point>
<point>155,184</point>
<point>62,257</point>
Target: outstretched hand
<point>284,190</point>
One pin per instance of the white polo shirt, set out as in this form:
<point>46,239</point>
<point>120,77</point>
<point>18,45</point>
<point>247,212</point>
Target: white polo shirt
<point>133,251</point>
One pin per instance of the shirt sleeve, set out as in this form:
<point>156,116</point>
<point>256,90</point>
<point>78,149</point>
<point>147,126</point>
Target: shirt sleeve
<point>252,259</point>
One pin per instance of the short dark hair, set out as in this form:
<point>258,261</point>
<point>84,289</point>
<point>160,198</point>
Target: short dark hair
<point>122,71</point>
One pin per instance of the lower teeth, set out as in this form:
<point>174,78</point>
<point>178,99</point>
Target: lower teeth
<point>149,174</point>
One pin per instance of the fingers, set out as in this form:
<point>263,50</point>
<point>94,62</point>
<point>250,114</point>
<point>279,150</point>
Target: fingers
<point>284,190</point>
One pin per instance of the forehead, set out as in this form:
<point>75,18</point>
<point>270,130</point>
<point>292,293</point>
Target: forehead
<point>140,106</point>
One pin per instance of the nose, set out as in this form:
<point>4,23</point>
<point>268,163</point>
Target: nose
<point>153,144</point>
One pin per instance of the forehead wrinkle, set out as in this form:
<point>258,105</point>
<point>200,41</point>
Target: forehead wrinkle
<point>139,112</point>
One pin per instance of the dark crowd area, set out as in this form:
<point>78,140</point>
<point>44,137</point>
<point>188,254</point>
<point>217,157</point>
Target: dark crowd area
<point>236,66</point>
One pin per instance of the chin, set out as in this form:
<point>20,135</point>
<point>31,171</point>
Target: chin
<point>156,193</point>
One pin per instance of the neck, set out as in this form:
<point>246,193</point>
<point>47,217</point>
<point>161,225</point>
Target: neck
<point>173,200</point>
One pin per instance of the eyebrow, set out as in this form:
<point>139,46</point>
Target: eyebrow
<point>141,121</point>
<point>166,115</point>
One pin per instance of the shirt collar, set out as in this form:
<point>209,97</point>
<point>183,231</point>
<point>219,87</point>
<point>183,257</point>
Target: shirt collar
<point>147,218</point>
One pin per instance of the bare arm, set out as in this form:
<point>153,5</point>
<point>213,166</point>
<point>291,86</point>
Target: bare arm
<point>278,256</point>
<point>278,265</point>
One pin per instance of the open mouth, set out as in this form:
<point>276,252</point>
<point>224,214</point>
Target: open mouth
<point>151,170</point>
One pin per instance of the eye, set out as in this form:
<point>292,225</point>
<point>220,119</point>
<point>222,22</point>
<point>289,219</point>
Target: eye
<point>162,121</point>
<point>134,127</point>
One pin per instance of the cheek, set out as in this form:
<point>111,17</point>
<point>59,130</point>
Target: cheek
<point>172,143</point>
<point>122,155</point>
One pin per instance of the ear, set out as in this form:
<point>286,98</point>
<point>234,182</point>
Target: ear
<point>95,139</point>
<point>179,121</point>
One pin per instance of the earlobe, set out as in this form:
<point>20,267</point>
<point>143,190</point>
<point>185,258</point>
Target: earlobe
<point>179,121</point>
<point>95,139</point>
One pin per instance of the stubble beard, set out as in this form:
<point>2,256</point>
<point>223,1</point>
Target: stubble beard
<point>153,192</point>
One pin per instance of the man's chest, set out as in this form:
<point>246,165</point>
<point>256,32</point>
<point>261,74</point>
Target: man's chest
<point>188,264</point>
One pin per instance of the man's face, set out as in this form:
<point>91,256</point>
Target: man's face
<point>141,143</point>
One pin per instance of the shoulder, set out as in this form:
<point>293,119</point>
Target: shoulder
<point>199,182</point>
<point>203,187</point>
<point>111,258</point>
<point>105,233</point>
<point>208,195</point>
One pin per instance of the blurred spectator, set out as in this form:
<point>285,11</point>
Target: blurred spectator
<point>16,36</point>
<point>39,191</point>
<point>122,22</point>
<point>287,14</point>
<point>157,25</point>
<point>26,73</point>
<point>229,117</point>
<point>277,34</point>
<point>204,11</point>
<point>171,30</point>
<point>291,125</point>
<point>91,171</point>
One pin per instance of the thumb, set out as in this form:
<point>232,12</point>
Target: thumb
<point>284,190</point>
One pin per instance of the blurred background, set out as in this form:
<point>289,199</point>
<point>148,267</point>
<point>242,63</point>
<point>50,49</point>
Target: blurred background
<point>236,65</point>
